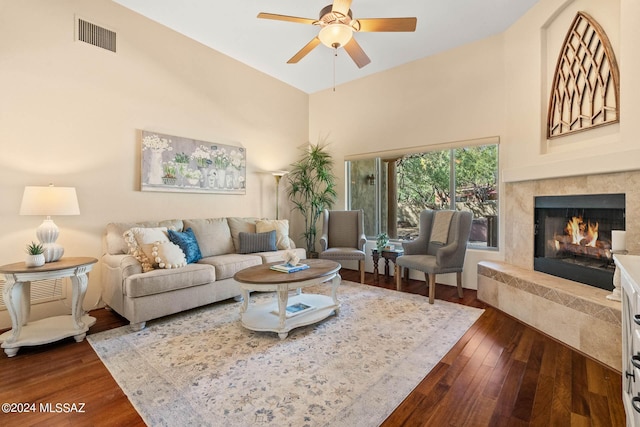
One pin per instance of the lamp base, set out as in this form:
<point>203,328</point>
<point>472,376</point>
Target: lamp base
<point>47,234</point>
<point>52,252</point>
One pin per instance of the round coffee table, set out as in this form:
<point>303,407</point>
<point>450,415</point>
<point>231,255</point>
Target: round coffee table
<point>287,313</point>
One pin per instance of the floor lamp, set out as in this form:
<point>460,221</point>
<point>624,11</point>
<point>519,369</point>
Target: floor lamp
<point>46,201</point>
<point>278,175</point>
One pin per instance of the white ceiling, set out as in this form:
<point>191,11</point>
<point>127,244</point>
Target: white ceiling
<point>231,27</point>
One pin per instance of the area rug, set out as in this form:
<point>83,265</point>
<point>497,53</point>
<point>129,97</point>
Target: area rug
<point>202,368</point>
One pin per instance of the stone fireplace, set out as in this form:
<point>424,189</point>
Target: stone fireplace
<point>577,314</point>
<point>519,211</point>
<point>574,236</point>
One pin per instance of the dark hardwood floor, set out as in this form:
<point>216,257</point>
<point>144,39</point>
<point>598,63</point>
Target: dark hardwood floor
<point>501,373</point>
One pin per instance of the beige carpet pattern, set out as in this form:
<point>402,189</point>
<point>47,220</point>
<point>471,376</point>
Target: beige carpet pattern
<point>202,368</point>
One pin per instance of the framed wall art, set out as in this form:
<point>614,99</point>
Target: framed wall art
<point>177,164</point>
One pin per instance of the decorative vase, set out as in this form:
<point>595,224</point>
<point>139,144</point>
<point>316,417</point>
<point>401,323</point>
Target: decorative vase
<point>182,172</point>
<point>222,178</point>
<point>34,260</point>
<point>155,168</point>
<point>237,182</point>
<point>212,179</point>
<point>204,178</point>
<point>169,180</point>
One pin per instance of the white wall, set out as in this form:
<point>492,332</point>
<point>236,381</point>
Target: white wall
<point>531,50</point>
<point>453,96</point>
<point>70,114</point>
<point>495,87</point>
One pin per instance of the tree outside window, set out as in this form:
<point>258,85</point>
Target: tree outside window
<point>464,178</point>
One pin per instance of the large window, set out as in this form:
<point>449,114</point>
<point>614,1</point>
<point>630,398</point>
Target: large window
<point>393,191</point>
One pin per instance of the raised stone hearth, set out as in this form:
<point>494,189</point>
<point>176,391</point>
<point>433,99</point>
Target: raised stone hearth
<point>573,313</point>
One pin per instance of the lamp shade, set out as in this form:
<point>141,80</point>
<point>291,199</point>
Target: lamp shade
<point>49,200</point>
<point>335,35</point>
<point>279,174</point>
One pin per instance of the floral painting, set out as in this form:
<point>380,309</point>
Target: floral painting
<point>173,163</point>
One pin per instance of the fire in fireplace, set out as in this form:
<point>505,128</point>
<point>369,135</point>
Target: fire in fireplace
<point>573,236</point>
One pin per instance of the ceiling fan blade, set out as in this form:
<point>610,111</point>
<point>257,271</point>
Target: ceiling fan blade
<point>341,6</point>
<point>356,53</point>
<point>295,19</point>
<point>387,24</point>
<point>304,51</point>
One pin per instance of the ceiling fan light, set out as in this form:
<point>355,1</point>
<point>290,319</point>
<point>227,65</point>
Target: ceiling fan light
<point>335,35</point>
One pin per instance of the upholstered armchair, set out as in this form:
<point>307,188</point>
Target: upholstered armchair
<point>440,247</point>
<point>343,237</point>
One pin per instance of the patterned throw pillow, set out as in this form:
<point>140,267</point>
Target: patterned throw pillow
<point>165,255</point>
<point>188,243</point>
<point>138,236</point>
<point>257,242</point>
<point>281,226</point>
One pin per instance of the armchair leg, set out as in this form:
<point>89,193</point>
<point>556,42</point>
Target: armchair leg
<point>361,271</point>
<point>459,281</point>
<point>431,280</point>
<point>397,276</point>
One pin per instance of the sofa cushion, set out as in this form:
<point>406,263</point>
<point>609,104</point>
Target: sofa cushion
<point>239,225</point>
<point>115,243</point>
<point>257,242</point>
<point>228,265</point>
<point>213,235</point>
<point>159,281</point>
<point>187,242</point>
<point>281,226</point>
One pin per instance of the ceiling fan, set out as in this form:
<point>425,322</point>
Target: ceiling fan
<point>337,26</point>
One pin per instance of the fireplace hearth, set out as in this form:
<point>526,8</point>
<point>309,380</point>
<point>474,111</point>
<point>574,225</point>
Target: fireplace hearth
<point>573,236</point>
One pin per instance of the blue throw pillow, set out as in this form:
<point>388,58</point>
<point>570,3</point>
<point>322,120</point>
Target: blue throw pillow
<point>257,242</point>
<point>186,240</point>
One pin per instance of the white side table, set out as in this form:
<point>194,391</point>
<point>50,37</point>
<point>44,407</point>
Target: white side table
<point>17,298</point>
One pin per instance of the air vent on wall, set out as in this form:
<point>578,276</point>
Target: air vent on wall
<point>96,35</point>
<point>41,291</point>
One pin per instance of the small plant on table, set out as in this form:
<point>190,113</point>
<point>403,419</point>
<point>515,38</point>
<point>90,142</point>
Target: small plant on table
<point>35,248</point>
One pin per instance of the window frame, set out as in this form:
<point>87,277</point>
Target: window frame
<point>378,156</point>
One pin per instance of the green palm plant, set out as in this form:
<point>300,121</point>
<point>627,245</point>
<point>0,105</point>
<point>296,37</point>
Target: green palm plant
<point>312,188</point>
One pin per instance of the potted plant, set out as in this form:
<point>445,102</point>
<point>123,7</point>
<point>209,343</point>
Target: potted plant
<point>382,240</point>
<point>193,176</point>
<point>169,173</point>
<point>35,255</point>
<point>312,188</point>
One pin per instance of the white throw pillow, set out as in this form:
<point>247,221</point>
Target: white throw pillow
<point>165,255</point>
<point>138,236</point>
<point>282,231</point>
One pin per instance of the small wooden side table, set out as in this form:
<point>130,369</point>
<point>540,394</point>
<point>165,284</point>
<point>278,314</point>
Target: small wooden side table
<point>388,256</point>
<point>17,298</point>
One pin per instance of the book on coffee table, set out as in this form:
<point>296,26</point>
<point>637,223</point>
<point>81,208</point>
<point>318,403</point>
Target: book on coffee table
<point>295,309</point>
<point>286,268</point>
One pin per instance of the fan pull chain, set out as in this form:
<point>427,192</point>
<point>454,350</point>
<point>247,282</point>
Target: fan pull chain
<point>335,58</point>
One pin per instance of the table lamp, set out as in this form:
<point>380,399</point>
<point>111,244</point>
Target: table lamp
<point>47,201</point>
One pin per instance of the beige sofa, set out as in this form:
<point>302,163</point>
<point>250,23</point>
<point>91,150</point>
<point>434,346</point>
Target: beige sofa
<point>141,296</point>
